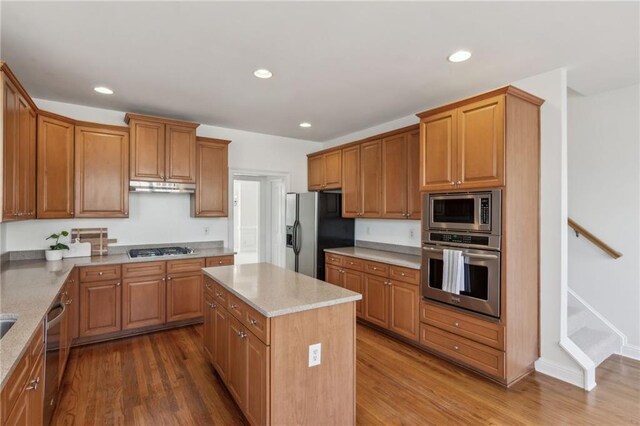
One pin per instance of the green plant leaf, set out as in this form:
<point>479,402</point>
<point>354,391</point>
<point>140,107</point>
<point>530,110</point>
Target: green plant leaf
<point>63,246</point>
<point>64,233</point>
<point>53,236</point>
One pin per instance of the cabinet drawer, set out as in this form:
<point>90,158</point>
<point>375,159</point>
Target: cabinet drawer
<point>220,294</point>
<point>209,285</point>
<point>407,275</point>
<point>99,273</point>
<point>236,307</point>
<point>353,263</point>
<point>219,261</point>
<point>185,265</point>
<point>376,268</point>
<point>143,269</point>
<point>257,323</point>
<point>485,332</point>
<point>333,259</point>
<point>473,354</point>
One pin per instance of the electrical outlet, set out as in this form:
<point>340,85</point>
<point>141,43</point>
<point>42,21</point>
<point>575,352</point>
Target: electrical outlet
<point>206,230</point>
<point>314,354</point>
<point>368,230</point>
<point>412,233</point>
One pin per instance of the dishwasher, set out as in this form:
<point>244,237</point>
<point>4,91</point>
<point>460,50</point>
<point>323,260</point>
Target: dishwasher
<point>52,359</point>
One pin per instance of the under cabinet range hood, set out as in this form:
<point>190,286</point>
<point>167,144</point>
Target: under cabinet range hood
<point>165,187</point>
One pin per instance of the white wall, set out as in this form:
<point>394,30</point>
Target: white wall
<point>401,232</point>
<point>160,218</point>
<point>604,196</point>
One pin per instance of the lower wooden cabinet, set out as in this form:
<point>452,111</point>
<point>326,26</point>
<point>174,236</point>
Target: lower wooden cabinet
<point>22,397</point>
<point>376,300</point>
<point>403,313</point>
<point>100,307</point>
<point>209,327</point>
<point>184,296</point>
<point>257,382</point>
<point>390,294</point>
<point>237,377</point>
<point>143,302</point>
<point>221,337</point>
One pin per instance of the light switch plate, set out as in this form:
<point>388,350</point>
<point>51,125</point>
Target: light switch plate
<point>314,354</point>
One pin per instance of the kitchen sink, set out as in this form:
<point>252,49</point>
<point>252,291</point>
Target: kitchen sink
<point>6,322</point>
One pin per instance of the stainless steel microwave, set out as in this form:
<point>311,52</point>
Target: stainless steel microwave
<point>463,211</point>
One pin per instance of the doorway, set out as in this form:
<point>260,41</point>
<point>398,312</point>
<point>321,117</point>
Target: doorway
<point>257,223</point>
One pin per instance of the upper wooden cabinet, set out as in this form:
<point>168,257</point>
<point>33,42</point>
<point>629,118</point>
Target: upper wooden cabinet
<point>400,171</point>
<point>211,196</point>
<point>371,178</point>
<point>324,171</point>
<point>351,199</point>
<point>55,161</point>
<point>19,140</point>
<point>414,197</point>
<point>101,171</point>
<point>462,145</point>
<point>162,149</point>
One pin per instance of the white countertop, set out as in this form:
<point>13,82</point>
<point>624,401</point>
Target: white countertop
<point>392,258</point>
<point>29,287</point>
<point>274,291</point>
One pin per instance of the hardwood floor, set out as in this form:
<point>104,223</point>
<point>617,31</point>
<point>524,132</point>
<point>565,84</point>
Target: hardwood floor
<point>163,378</point>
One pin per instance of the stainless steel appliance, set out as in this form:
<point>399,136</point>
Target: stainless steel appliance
<point>160,251</point>
<point>165,187</point>
<point>471,223</point>
<point>52,359</point>
<point>314,222</point>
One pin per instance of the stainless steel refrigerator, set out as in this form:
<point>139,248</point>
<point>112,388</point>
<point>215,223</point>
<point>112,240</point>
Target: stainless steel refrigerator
<point>314,222</point>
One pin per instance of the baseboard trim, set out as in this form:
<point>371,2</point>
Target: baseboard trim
<point>630,351</point>
<point>560,372</point>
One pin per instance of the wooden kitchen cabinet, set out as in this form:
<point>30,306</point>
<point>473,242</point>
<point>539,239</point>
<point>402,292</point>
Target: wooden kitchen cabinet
<point>394,176</point>
<point>211,196</point>
<point>351,198</point>
<point>209,327</point>
<point>463,147</point>
<point>55,170</point>
<point>404,300</point>
<point>257,368</point>
<point>221,341</point>
<point>100,307</point>
<point>347,278</point>
<point>184,296</point>
<point>414,196</point>
<point>237,377</point>
<point>162,149</point>
<point>376,300</point>
<point>371,178</point>
<point>101,171</point>
<point>333,275</point>
<point>19,149</point>
<point>73,304</point>
<point>324,171</point>
<point>143,301</point>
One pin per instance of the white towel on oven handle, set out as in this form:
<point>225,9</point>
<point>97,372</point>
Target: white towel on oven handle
<point>453,280</point>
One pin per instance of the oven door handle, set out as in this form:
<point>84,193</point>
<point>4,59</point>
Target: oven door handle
<point>473,255</point>
<point>57,319</point>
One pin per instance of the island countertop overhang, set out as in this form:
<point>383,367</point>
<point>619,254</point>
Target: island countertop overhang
<point>275,291</point>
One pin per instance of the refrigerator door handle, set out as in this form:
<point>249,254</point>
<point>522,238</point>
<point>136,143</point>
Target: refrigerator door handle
<point>296,237</point>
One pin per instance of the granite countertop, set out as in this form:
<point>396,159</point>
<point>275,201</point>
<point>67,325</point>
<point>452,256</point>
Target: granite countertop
<point>274,291</point>
<point>398,259</point>
<point>29,287</point>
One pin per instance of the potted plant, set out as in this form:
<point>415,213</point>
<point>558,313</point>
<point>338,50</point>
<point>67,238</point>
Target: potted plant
<point>55,250</point>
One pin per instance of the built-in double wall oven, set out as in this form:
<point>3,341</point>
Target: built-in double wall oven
<point>461,241</point>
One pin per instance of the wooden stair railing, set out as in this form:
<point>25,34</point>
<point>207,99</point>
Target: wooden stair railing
<point>595,240</point>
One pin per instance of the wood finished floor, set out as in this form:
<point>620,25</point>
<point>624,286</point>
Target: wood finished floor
<point>164,379</point>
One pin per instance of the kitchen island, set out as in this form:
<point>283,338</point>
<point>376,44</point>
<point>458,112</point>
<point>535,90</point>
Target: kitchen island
<point>283,343</point>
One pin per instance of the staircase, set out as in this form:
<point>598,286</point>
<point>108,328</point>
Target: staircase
<point>592,333</point>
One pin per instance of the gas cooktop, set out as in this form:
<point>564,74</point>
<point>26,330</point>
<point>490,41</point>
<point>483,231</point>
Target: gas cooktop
<point>160,251</point>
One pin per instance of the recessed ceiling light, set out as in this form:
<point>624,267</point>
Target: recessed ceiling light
<point>263,73</point>
<point>459,56</point>
<point>305,124</point>
<point>103,90</point>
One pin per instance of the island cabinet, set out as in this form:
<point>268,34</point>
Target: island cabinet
<point>55,160</point>
<point>19,149</point>
<point>101,171</point>
<point>22,397</point>
<point>391,293</point>
<point>184,289</point>
<point>324,171</point>
<point>264,361</point>
<point>162,149</point>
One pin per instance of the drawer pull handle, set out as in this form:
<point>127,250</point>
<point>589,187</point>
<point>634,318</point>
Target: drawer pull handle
<point>100,273</point>
<point>208,286</point>
<point>456,324</point>
<point>233,306</point>
<point>69,302</point>
<point>402,274</point>
<point>252,321</point>
<point>455,348</point>
<point>220,262</point>
<point>350,263</point>
<point>375,269</point>
<point>34,384</point>
<point>242,334</point>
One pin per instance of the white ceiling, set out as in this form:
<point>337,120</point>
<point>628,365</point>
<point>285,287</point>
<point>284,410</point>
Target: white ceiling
<point>341,66</point>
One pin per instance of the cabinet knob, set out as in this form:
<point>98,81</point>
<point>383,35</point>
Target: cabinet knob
<point>233,306</point>
<point>208,286</point>
<point>126,212</point>
<point>118,284</point>
<point>100,273</point>
<point>375,269</point>
<point>71,213</point>
<point>242,334</point>
<point>452,183</point>
<point>33,385</point>
<point>252,321</point>
<point>389,283</point>
<point>458,183</point>
<point>402,274</point>
<point>455,324</point>
<point>69,302</point>
<point>220,262</point>
<point>169,278</point>
<point>455,348</point>
<point>164,279</point>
